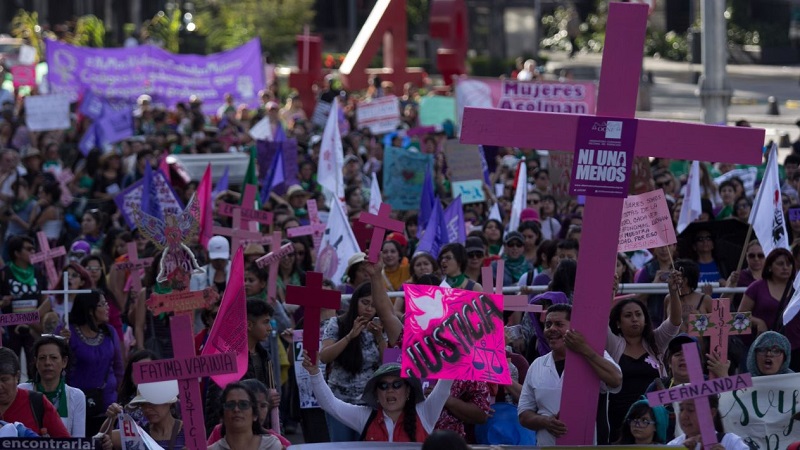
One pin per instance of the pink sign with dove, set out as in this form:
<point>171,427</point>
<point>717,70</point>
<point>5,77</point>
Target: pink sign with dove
<point>454,334</point>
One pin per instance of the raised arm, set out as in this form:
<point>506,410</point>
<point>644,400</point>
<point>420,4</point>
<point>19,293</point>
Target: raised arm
<point>383,305</point>
<point>674,304</point>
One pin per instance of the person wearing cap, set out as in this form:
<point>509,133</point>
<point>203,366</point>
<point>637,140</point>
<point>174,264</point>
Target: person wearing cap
<point>540,401</point>
<point>514,256</point>
<point>389,402</point>
<point>355,274</point>
<point>352,173</point>
<point>162,426</point>
<point>453,261</point>
<point>252,252</point>
<point>690,425</point>
<point>770,354</point>
<point>644,425</point>
<point>297,197</point>
<point>217,272</point>
<point>476,255</point>
<point>17,405</point>
<point>79,250</point>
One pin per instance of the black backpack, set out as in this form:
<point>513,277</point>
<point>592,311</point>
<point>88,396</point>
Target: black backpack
<point>36,400</point>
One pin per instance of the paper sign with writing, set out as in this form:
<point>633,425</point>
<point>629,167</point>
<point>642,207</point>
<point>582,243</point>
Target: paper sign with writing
<point>560,167</point>
<point>646,222</point>
<point>380,115</point>
<point>307,398</point>
<point>131,197</point>
<point>436,110</point>
<point>49,443</point>
<point>47,112</point>
<point>24,75</point>
<point>603,156</point>
<point>181,301</point>
<point>471,191</point>
<point>320,115</point>
<point>403,174</point>
<point>454,334</point>
<point>19,318</point>
<point>463,161</point>
<point>179,368</point>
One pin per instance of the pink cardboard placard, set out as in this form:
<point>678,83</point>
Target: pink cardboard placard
<point>454,334</point>
<point>47,255</point>
<point>646,222</point>
<point>603,156</point>
<point>180,368</point>
<point>19,318</point>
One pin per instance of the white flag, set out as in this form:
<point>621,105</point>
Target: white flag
<point>520,197</point>
<point>133,436</point>
<point>331,156</point>
<point>338,245</point>
<point>793,307</point>
<point>766,216</point>
<point>375,198</point>
<point>692,207</point>
<point>494,213</point>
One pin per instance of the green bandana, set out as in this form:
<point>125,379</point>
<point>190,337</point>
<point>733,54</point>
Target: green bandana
<point>456,281</point>
<point>24,276</point>
<point>57,397</point>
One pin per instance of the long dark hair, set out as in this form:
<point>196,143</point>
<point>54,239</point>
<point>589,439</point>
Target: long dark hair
<point>127,388</point>
<point>58,341</point>
<point>233,386</point>
<point>647,332</point>
<point>410,414</point>
<point>83,309</point>
<point>564,277</point>
<point>637,411</point>
<point>351,359</point>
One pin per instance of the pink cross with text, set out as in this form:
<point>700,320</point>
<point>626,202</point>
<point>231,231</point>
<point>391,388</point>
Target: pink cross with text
<point>239,235</point>
<point>316,228</point>
<point>718,326</point>
<point>619,81</point>
<point>313,298</point>
<point>510,302</point>
<point>380,222</point>
<point>271,259</point>
<point>248,212</point>
<point>136,267</point>
<point>47,255</point>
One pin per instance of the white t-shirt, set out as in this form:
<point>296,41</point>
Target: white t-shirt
<point>730,441</point>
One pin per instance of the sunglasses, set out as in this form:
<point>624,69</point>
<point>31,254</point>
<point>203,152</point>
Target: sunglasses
<point>641,423</point>
<point>475,255</point>
<point>513,244</point>
<point>242,405</point>
<point>755,255</point>
<point>772,351</point>
<point>663,183</point>
<point>533,202</point>
<point>395,385</point>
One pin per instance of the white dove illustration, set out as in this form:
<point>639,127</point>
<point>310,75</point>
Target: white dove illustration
<point>432,309</point>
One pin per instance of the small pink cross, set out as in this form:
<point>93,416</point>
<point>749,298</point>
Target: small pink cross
<point>510,302</point>
<point>313,298</point>
<point>316,228</point>
<point>271,259</point>
<point>380,224</point>
<point>47,255</point>
<point>239,236</point>
<point>136,267</point>
<point>248,212</point>
<point>718,326</point>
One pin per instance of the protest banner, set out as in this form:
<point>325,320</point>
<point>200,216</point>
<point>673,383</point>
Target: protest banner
<point>646,222</point>
<point>556,96</point>
<point>131,197</point>
<point>380,115</point>
<point>748,175</point>
<point>49,443</point>
<point>463,161</point>
<point>603,156</point>
<point>763,414</point>
<point>128,72</point>
<point>471,191</point>
<point>19,318</point>
<point>306,394</point>
<point>403,174</point>
<point>115,125</point>
<point>47,112</point>
<point>454,334</point>
<point>24,75</point>
<point>436,110</point>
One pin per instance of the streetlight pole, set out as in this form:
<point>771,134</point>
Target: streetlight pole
<point>713,87</point>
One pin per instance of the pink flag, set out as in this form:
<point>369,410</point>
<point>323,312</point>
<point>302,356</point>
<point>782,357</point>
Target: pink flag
<point>206,206</point>
<point>229,332</point>
<point>164,166</point>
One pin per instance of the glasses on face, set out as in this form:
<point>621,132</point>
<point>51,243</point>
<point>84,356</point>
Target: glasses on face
<point>665,183</point>
<point>475,255</point>
<point>242,405</point>
<point>396,384</point>
<point>772,351</point>
<point>641,423</point>
<point>94,269</point>
<point>702,238</point>
<point>755,255</point>
<point>533,202</point>
<point>514,244</point>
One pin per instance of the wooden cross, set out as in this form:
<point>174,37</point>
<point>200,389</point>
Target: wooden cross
<point>47,255</point>
<point>239,235</point>
<point>65,291</point>
<point>380,224</point>
<point>718,326</point>
<point>699,389</point>
<point>136,267</point>
<point>316,228</point>
<point>313,298</point>
<point>248,212</point>
<point>619,81</point>
<point>271,259</point>
<point>510,302</point>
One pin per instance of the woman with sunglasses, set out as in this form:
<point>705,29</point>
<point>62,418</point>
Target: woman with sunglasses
<point>396,409</point>
<point>644,425</point>
<point>516,264</point>
<point>265,404</point>
<point>52,359</point>
<point>241,429</point>
<point>453,263</point>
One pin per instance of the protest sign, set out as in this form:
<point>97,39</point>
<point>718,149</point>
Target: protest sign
<point>646,222</point>
<point>603,156</point>
<point>395,355</point>
<point>132,436</point>
<point>128,72</point>
<point>471,191</point>
<point>748,175</point>
<point>436,110</point>
<point>403,174</point>
<point>47,112</point>
<point>380,115</point>
<point>463,161</point>
<point>454,334</point>
<point>320,115</point>
<point>762,414</point>
<point>307,398</point>
<point>24,75</point>
<point>19,318</point>
<point>556,96</point>
<point>48,443</point>
<point>131,197</point>
<point>560,167</point>
<point>115,125</point>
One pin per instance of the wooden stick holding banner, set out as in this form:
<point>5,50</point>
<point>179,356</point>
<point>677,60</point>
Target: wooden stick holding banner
<point>65,291</point>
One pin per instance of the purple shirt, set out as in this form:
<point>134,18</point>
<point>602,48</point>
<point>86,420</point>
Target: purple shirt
<point>96,365</point>
<point>766,308</point>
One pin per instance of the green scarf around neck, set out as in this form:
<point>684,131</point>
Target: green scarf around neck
<point>24,276</point>
<point>456,281</point>
<point>58,397</point>
<point>516,267</point>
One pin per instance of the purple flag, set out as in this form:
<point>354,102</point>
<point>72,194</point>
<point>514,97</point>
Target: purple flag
<point>454,222</point>
<point>426,203</point>
<point>274,178</point>
<point>222,184</point>
<point>149,202</point>
<point>89,140</point>
<point>126,73</point>
<point>115,126</point>
<point>266,155</point>
<point>430,242</point>
<point>92,106</point>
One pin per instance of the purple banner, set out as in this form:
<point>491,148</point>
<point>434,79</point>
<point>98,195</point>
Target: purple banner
<point>127,73</point>
<point>603,156</point>
<point>115,126</point>
<point>266,152</point>
<point>132,196</point>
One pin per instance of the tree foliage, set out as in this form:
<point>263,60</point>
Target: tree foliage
<point>25,26</point>
<point>89,32</point>
<point>163,29</point>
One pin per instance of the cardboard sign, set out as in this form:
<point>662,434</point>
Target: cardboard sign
<point>463,161</point>
<point>47,112</point>
<point>403,174</point>
<point>181,301</point>
<point>646,222</point>
<point>380,115</point>
<point>179,368</point>
<point>24,75</point>
<point>321,111</point>
<point>560,166</point>
<point>471,191</point>
<point>436,110</point>
<point>19,318</point>
<point>307,398</point>
<point>748,175</point>
<point>454,334</point>
<point>603,156</point>
<point>132,196</point>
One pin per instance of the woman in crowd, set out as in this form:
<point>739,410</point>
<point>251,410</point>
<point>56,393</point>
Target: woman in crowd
<point>78,278</point>
<point>97,357</point>
<point>423,265</point>
<point>304,254</point>
<point>20,212</point>
<point>710,268</point>
<point>691,301</point>
<point>352,345</point>
<point>50,218</point>
<point>117,305</point>
<point>394,271</point>
<point>52,359</point>
<point>548,217</point>
<point>476,255</point>
<point>741,209</point>
<point>17,405</point>
<point>354,274</point>
<point>128,389</point>
<point>108,182</point>
<point>151,331</point>
<point>547,262</point>
<point>396,409</point>
<point>764,297</point>
<point>289,273</point>
<point>644,425</point>
<point>755,264</point>
<point>92,226</point>
<point>656,270</point>
<point>493,232</point>
<point>453,262</point>
<point>691,438</point>
<point>624,269</point>
<point>564,278</point>
<point>162,425</point>
<point>241,428</point>
<point>770,354</point>
<point>264,406</point>
<point>516,264</point>
<point>532,232</point>
<point>727,193</point>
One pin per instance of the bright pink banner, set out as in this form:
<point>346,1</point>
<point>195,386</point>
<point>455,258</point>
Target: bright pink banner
<point>24,75</point>
<point>206,207</point>
<point>454,334</point>
<point>229,332</point>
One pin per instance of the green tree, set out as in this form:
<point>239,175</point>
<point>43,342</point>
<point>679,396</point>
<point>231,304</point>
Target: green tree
<point>89,32</point>
<point>25,26</point>
<point>164,29</point>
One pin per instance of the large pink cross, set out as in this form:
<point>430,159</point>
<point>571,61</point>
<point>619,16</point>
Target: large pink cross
<point>510,302</point>
<point>315,228</point>
<point>271,259</point>
<point>248,212</point>
<point>619,81</point>
<point>136,267</point>
<point>718,326</point>
<point>313,298</point>
<point>239,235</point>
<point>380,222</point>
<point>362,234</point>
<point>47,255</point>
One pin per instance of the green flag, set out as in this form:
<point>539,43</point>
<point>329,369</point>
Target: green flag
<point>251,178</point>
